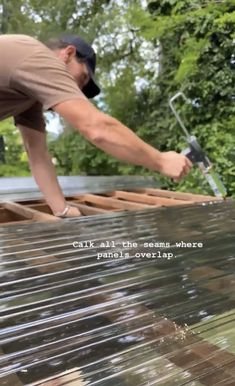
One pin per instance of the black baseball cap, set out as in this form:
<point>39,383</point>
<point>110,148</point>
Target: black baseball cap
<point>85,52</point>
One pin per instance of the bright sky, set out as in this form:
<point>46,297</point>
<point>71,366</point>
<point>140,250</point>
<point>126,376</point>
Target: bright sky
<point>53,126</point>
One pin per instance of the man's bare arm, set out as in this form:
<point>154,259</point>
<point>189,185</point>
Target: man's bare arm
<point>110,135</point>
<point>43,170</point>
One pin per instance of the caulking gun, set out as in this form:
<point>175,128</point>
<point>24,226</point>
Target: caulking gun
<point>196,154</point>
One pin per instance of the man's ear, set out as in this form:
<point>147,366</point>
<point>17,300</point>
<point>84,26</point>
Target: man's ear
<point>69,53</point>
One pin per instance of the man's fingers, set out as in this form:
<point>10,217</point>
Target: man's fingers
<point>175,165</point>
<point>186,169</point>
<point>188,162</point>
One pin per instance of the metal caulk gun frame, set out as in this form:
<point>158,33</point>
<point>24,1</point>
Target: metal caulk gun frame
<point>196,154</point>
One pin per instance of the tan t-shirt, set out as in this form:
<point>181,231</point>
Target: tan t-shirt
<point>32,79</point>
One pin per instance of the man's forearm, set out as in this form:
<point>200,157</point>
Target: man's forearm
<point>108,134</point>
<point>44,173</point>
<point>122,143</point>
<point>114,138</point>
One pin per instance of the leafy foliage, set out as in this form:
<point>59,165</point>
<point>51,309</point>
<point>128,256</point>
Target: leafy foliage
<point>15,156</point>
<point>197,56</point>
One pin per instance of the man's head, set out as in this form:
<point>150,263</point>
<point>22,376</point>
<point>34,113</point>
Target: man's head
<point>80,59</point>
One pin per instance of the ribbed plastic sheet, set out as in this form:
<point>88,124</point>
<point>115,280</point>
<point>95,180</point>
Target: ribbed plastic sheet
<point>20,188</point>
<point>73,317</point>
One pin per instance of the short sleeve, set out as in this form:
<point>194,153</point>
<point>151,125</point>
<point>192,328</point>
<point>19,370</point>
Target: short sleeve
<point>44,78</point>
<point>32,118</point>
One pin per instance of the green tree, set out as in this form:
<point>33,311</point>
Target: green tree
<point>197,52</point>
<point>16,17</point>
<point>16,163</point>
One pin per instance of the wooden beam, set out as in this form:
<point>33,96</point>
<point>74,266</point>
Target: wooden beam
<point>112,202</point>
<point>15,223</point>
<point>88,210</point>
<point>147,199</point>
<point>29,213</point>
<point>72,377</point>
<point>11,379</point>
<point>178,195</point>
<point>218,283</point>
<point>40,257</point>
<point>7,215</point>
<point>41,207</point>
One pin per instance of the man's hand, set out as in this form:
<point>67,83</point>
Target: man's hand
<point>174,165</point>
<point>42,167</point>
<point>73,212</point>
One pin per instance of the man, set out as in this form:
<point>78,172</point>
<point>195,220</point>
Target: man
<point>60,77</point>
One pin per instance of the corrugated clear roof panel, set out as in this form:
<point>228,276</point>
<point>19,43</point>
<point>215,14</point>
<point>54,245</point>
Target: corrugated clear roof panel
<point>131,299</point>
